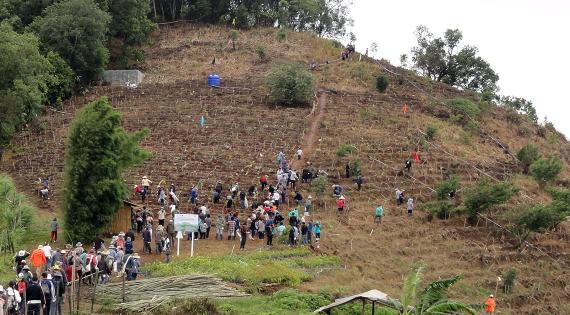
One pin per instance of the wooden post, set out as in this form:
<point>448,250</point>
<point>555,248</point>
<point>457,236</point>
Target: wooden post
<point>363,305</point>
<point>123,287</point>
<point>78,293</point>
<point>94,290</point>
<point>373,307</point>
<point>70,295</point>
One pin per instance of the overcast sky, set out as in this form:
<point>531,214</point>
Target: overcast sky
<point>526,42</point>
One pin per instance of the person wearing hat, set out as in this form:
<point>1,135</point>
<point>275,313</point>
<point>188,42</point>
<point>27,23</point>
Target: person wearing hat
<point>132,266</point>
<point>35,299</point>
<point>13,298</point>
<point>18,258</point>
<point>145,183</point>
<point>38,259</point>
<point>27,273</point>
<point>410,206</point>
<point>59,282</point>
<point>159,237</point>
<point>48,291</point>
<point>490,305</point>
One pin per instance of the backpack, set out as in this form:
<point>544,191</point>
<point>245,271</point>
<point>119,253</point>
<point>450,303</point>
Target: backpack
<point>88,263</point>
<point>59,287</point>
<point>46,289</point>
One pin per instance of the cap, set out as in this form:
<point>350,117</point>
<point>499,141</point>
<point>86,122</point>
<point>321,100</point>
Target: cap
<point>56,267</point>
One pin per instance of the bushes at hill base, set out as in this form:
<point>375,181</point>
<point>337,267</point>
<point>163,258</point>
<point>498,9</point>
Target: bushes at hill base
<point>97,152</point>
<point>290,84</point>
<point>528,155</point>
<point>483,195</point>
<point>381,83</point>
<point>545,170</point>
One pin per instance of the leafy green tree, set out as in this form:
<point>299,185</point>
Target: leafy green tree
<point>131,24</point>
<point>546,169</point>
<point>441,59</point>
<point>200,10</point>
<point>483,195</point>
<point>355,168</point>
<point>560,200</point>
<point>24,77</point>
<point>430,301</point>
<point>290,84</point>
<point>76,30</point>
<point>98,151</point>
<point>528,155</point>
<point>381,83</point>
<point>15,215</point>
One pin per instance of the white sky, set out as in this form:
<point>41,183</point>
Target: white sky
<point>526,42</point>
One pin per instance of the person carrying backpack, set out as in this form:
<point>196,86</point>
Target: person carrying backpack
<point>3,300</point>
<point>35,299</point>
<point>13,299</point>
<point>49,292</point>
<point>59,284</point>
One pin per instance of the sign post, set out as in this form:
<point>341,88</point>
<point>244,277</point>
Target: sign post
<point>185,222</point>
<point>178,237</point>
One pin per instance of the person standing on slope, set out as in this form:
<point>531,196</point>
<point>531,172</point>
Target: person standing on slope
<point>490,305</point>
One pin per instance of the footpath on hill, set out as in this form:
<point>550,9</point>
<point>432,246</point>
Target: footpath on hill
<point>309,139</point>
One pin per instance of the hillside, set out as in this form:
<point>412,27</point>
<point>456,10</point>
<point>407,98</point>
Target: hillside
<point>244,131</point>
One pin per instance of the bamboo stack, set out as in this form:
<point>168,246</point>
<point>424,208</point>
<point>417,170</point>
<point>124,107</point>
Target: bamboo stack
<point>144,296</point>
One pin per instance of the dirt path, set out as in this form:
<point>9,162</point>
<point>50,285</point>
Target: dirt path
<point>310,138</point>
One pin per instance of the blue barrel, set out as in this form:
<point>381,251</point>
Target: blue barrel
<point>214,80</point>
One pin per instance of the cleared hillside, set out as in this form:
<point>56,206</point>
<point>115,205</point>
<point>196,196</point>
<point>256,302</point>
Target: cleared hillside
<point>244,132</point>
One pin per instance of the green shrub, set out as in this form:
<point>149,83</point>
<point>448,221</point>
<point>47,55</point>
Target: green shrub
<point>509,280</point>
<point>539,218</point>
<point>320,185</point>
<point>431,132</point>
<point>281,35</point>
<point>528,155</point>
<point>483,195</point>
<point>464,109</point>
<point>290,84</point>
<point>234,37</point>
<point>354,168</point>
<point>444,188</point>
<point>546,170</point>
<point>381,83</point>
<point>345,150</point>
<point>261,52</point>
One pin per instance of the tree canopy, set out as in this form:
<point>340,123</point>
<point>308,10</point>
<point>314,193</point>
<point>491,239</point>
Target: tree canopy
<point>98,151</point>
<point>444,59</point>
<point>77,31</point>
<point>290,84</point>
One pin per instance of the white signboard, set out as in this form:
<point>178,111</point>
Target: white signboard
<point>185,222</point>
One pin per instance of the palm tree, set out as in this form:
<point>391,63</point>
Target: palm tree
<point>432,300</point>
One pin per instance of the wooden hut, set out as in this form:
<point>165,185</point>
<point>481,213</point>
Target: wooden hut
<point>121,221</point>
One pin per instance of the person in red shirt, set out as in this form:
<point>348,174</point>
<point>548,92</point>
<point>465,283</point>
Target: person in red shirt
<point>263,182</point>
<point>416,156</point>
<point>405,108</point>
<point>340,204</point>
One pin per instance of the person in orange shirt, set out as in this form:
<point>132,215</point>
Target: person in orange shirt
<point>38,259</point>
<point>405,108</point>
<point>490,305</point>
<point>416,156</point>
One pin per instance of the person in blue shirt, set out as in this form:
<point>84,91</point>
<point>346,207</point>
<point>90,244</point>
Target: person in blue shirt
<point>318,231</point>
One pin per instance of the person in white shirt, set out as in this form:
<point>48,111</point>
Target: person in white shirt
<point>47,253</point>
<point>299,154</point>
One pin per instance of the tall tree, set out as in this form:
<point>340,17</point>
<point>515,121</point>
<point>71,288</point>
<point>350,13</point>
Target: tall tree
<point>98,151</point>
<point>15,215</point>
<point>77,31</point>
<point>443,59</point>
